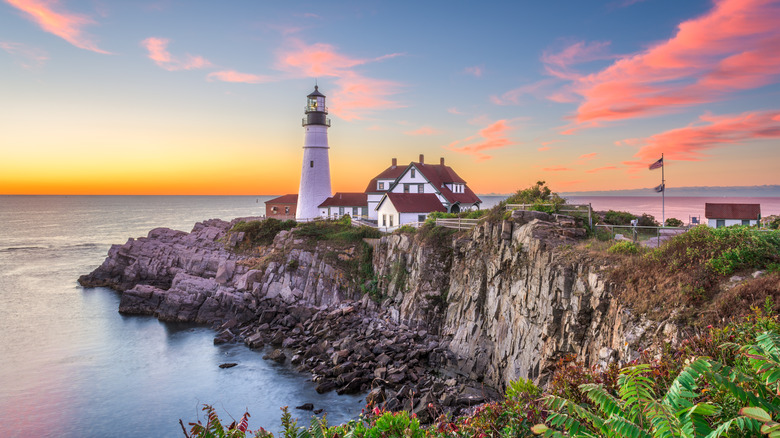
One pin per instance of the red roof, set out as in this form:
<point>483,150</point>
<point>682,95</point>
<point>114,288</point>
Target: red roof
<point>415,202</point>
<point>284,199</point>
<point>440,174</point>
<point>346,200</point>
<point>391,172</point>
<point>732,211</point>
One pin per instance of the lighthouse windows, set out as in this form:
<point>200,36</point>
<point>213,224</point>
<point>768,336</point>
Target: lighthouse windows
<point>311,163</point>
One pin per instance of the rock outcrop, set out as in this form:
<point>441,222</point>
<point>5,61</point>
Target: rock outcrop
<point>460,316</point>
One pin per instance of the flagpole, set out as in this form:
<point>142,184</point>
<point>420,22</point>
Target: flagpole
<point>663,194</point>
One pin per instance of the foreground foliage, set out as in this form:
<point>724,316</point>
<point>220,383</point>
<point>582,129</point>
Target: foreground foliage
<point>724,383</point>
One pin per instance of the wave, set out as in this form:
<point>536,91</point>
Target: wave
<point>22,248</point>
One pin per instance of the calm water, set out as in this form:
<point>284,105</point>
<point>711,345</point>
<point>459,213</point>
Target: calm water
<point>72,366</point>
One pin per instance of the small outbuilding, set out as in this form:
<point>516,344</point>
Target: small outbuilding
<point>725,215</point>
<point>281,208</point>
<point>354,205</point>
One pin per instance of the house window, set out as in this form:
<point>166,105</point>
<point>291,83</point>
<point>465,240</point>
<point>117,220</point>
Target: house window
<point>311,163</point>
<point>380,186</point>
<point>406,188</point>
<point>420,188</point>
<point>341,211</point>
<point>364,211</point>
<point>413,173</point>
<point>391,219</point>
<point>745,221</point>
<point>274,209</point>
<point>286,210</point>
<point>421,218</point>
<point>720,223</point>
<point>354,211</point>
<point>384,220</point>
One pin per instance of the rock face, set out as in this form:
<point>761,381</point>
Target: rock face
<point>461,317</point>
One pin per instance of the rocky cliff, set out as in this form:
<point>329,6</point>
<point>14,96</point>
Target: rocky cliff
<point>457,315</point>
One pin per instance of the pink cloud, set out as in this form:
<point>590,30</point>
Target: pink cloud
<point>356,94</point>
<point>158,52</point>
<point>732,47</point>
<point>539,89</point>
<point>234,76</point>
<point>64,24</point>
<point>494,136</point>
<point>28,57</point>
<point>475,71</point>
<point>556,169</point>
<point>587,157</point>
<point>423,130</point>
<point>454,110</point>
<point>601,169</point>
<point>543,148</point>
<point>691,142</point>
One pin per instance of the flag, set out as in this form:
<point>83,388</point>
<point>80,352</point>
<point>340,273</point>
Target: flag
<point>660,188</point>
<point>657,164</point>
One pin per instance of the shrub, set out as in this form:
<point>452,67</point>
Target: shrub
<point>613,217</point>
<point>647,220</point>
<point>673,222</point>
<point>624,247</point>
<point>261,232</point>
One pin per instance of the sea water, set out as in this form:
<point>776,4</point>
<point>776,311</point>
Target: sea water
<point>72,366</point>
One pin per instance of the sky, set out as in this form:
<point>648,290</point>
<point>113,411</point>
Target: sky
<point>204,97</point>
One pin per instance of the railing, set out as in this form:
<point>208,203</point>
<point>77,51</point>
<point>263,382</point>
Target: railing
<point>561,208</point>
<point>640,233</point>
<point>457,223</point>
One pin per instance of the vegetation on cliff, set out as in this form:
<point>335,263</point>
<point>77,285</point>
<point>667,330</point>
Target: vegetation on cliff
<point>721,383</point>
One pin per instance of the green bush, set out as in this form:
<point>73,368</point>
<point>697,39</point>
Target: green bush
<point>537,195</point>
<point>647,220</point>
<point>339,230</point>
<point>262,232</point>
<point>613,217</point>
<point>673,222</point>
<point>624,247</point>
<point>720,250</point>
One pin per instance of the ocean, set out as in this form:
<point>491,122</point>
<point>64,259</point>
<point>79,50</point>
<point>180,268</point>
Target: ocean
<point>72,366</point>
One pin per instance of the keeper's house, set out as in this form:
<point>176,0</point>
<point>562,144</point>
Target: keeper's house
<point>281,208</point>
<point>725,215</point>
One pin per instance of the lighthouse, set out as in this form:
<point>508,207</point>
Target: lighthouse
<point>315,171</point>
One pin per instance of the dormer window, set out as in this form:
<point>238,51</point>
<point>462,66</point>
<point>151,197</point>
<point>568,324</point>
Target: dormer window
<point>413,173</point>
<point>380,186</point>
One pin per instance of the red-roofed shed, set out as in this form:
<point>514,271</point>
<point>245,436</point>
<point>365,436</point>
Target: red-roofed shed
<point>352,204</point>
<point>396,209</point>
<point>724,215</point>
<point>282,208</point>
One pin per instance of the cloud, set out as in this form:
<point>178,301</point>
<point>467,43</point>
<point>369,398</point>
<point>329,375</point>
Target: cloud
<point>423,130</point>
<point>234,76</point>
<point>454,110</point>
<point>586,157</point>
<point>543,148</point>
<point>732,47</point>
<point>601,169</point>
<point>691,142</point>
<point>28,57</point>
<point>494,136</point>
<point>539,89</point>
<point>556,169</point>
<point>66,25</point>
<point>475,71</point>
<point>356,94</point>
<point>558,63</point>
<point>158,52</point>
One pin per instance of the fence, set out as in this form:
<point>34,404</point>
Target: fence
<point>457,223</point>
<point>640,233</point>
<point>560,208</point>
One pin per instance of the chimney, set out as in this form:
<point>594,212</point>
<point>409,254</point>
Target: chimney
<point>422,159</point>
<point>442,161</point>
<point>395,162</point>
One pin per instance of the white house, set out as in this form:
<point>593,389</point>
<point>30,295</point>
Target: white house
<point>396,209</point>
<point>379,185</point>
<point>340,204</point>
<point>725,215</point>
<point>438,179</point>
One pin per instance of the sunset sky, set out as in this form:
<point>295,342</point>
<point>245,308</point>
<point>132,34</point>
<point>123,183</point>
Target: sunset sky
<point>196,97</point>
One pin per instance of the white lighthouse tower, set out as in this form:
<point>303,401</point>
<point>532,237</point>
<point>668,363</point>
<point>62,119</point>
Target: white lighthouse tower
<point>315,172</point>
